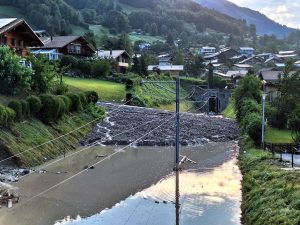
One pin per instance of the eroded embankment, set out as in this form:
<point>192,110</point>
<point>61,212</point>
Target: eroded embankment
<point>125,124</point>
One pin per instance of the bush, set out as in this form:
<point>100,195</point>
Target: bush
<point>247,106</point>
<point>53,108</point>
<point>83,99</point>
<point>58,88</point>
<point>101,68</point>
<point>96,111</point>
<point>67,102</point>
<point>92,96</point>
<point>34,104</point>
<point>75,102</point>
<point>251,125</point>
<point>7,116</point>
<point>17,107</point>
<point>25,109</point>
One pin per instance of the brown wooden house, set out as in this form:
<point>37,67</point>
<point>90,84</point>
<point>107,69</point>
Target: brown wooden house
<point>17,34</point>
<point>68,45</point>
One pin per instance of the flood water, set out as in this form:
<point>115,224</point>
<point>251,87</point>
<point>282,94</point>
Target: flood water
<point>135,186</point>
<point>207,195</point>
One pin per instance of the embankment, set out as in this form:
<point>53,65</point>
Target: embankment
<point>271,191</point>
<point>31,133</point>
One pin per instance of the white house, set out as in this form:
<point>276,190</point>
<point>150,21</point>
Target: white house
<point>50,54</point>
<point>247,51</point>
<point>207,50</point>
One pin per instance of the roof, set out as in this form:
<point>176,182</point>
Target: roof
<point>270,76</point>
<point>102,54</point>
<point>207,47</point>
<point>243,65</point>
<point>167,68</point>
<point>286,52</point>
<point>246,48</point>
<point>236,73</point>
<point>7,24</point>
<point>58,41</point>
<point>285,55</point>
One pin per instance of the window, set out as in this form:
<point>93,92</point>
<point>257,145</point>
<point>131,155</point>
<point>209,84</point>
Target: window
<point>13,42</point>
<point>20,43</point>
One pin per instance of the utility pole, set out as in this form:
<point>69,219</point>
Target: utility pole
<point>177,143</point>
<point>263,121</point>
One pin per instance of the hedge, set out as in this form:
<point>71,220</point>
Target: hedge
<point>92,96</point>
<point>75,102</point>
<point>7,115</point>
<point>34,104</point>
<point>17,107</point>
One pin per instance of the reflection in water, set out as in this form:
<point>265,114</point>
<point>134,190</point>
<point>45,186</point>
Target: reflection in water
<point>207,196</point>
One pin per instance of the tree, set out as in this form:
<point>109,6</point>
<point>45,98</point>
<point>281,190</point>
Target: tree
<point>45,73</point>
<point>101,68</point>
<point>294,124</point>
<point>170,39</point>
<point>147,28</point>
<point>136,67</point>
<point>15,78</point>
<point>90,37</point>
<point>144,66</point>
<point>252,32</point>
<point>154,29</point>
<point>210,77</point>
<point>124,42</point>
<point>178,58</point>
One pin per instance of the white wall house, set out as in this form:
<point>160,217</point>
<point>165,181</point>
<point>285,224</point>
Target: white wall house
<point>207,50</point>
<point>247,51</point>
<point>50,54</point>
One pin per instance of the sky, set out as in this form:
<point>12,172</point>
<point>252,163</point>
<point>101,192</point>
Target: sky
<point>285,12</point>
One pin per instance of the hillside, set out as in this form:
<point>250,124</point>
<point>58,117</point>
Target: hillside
<point>178,18</point>
<point>264,25</point>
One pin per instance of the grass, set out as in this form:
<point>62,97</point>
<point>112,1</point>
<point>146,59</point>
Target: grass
<point>146,38</point>
<point>278,136</point>
<point>153,96</point>
<point>229,111</point>
<point>32,132</point>
<point>108,91</point>
<point>270,194</point>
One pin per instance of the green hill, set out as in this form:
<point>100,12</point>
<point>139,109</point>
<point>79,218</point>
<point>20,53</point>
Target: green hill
<point>154,19</point>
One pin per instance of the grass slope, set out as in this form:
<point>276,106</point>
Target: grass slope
<point>278,136</point>
<point>154,96</point>
<point>108,91</point>
<point>28,134</point>
<point>270,194</point>
<point>229,111</point>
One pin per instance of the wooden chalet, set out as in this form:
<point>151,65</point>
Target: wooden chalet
<point>18,35</point>
<point>67,45</point>
<point>121,57</point>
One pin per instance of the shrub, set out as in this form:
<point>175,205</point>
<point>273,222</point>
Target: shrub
<point>83,99</point>
<point>92,96</point>
<point>96,111</point>
<point>62,108</point>
<point>34,104</point>
<point>17,107</point>
<point>251,125</point>
<point>100,68</point>
<point>247,106</point>
<point>7,115</point>
<point>25,108</point>
<point>58,88</point>
<point>75,102</point>
<point>67,102</point>
<point>52,108</point>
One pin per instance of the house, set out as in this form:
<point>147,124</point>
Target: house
<point>236,75</point>
<point>67,45</point>
<point>50,54</point>
<point>223,56</point>
<point>17,34</point>
<point>242,67</point>
<point>218,67</point>
<point>253,60</point>
<point>247,51</point>
<point>165,59</point>
<point>121,57</point>
<point>207,50</point>
<point>270,78</point>
<point>174,70</point>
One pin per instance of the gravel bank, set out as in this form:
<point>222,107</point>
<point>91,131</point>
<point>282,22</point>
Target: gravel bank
<point>133,122</point>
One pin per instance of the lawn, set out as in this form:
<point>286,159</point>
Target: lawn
<point>108,91</point>
<point>278,136</point>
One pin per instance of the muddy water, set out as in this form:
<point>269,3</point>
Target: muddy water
<point>125,174</point>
